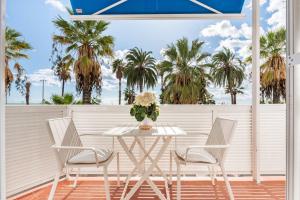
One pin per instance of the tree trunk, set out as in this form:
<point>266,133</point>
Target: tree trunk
<point>162,83</point>
<point>276,95</point>
<point>141,86</point>
<point>86,96</point>
<point>232,98</point>
<point>27,99</point>
<point>63,88</point>
<point>120,89</point>
<point>162,89</point>
<point>263,97</point>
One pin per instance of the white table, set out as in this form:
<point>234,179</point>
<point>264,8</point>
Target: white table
<point>163,133</point>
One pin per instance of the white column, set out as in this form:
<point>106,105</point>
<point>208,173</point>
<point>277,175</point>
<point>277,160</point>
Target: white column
<point>2,101</point>
<point>255,89</point>
<point>293,99</point>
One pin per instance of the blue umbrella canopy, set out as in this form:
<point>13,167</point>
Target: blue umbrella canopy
<point>156,7</point>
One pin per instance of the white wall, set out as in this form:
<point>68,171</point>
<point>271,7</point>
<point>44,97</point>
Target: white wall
<point>30,161</point>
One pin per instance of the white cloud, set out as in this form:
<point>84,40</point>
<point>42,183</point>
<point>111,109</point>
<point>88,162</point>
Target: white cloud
<point>246,31</point>
<point>222,29</point>
<point>237,45</point>
<point>56,4</point>
<point>277,8</point>
<point>236,38</point>
<point>109,80</point>
<point>261,3</point>
<point>121,54</point>
<point>225,29</point>
<point>44,74</point>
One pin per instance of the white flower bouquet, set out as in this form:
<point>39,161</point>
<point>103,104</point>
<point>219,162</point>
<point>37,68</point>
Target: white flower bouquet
<point>145,107</point>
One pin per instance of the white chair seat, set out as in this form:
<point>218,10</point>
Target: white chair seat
<point>198,155</point>
<point>88,157</point>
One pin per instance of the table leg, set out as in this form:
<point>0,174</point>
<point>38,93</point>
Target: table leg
<point>147,154</point>
<point>129,153</point>
<point>148,172</point>
<point>134,160</point>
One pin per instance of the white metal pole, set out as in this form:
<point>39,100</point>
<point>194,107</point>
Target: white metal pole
<point>43,91</point>
<point>2,100</point>
<point>255,89</point>
<point>293,99</point>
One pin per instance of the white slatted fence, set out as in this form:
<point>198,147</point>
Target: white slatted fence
<point>30,161</point>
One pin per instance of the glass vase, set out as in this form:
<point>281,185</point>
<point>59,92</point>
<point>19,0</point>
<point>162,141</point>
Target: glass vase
<point>146,124</point>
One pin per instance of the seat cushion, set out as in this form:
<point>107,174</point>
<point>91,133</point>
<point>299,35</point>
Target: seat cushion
<point>198,155</point>
<point>88,156</point>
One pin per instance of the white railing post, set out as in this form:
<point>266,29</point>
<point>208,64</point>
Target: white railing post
<point>255,89</point>
<point>293,99</point>
<point>2,101</point>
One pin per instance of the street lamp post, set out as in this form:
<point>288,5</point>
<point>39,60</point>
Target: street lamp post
<point>43,91</point>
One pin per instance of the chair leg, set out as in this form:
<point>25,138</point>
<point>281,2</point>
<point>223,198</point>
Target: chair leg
<point>178,181</point>
<point>54,185</point>
<point>68,170</point>
<point>229,190</point>
<point>106,183</point>
<point>171,168</point>
<point>76,179</point>
<point>212,174</point>
<point>118,169</point>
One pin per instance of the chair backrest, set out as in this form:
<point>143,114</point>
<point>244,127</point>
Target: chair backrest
<point>58,129</point>
<point>65,134</point>
<point>220,134</point>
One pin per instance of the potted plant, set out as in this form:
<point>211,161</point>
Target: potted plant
<point>145,110</point>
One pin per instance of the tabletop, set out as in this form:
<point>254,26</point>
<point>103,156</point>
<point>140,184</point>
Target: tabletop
<point>132,131</point>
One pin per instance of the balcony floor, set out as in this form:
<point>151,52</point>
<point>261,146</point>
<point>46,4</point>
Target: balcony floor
<point>200,190</point>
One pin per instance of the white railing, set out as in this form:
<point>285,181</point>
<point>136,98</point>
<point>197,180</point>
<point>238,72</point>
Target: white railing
<point>30,161</point>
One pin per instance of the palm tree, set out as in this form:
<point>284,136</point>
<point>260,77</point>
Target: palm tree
<point>118,67</point>
<point>84,40</point>
<point>61,65</point>
<point>188,77</point>
<point>62,100</point>
<point>228,71</point>
<point>234,91</point>
<point>129,96</point>
<point>15,49</point>
<point>162,68</point>
<point>27,91</point>
<point>140,70</point>
<point>63,71</point>
<point>273,69</point>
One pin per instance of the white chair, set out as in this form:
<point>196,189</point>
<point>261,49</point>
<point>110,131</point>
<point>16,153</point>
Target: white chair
<point>70,153</point>
<point>212,154</point>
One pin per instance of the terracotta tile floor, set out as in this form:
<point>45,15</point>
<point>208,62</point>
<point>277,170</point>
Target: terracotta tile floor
<point>191,190</point>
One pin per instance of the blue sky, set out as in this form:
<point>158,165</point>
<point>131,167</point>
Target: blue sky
<point>33,18</point>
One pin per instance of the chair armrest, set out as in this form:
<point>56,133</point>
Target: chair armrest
<point>209,146</point>
<point>74,147</point>
<point>78,148</point>
<point>205,146</point>
<point>90,134</point>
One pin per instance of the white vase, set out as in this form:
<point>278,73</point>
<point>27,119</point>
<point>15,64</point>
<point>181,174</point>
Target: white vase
<point>146,124</point>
